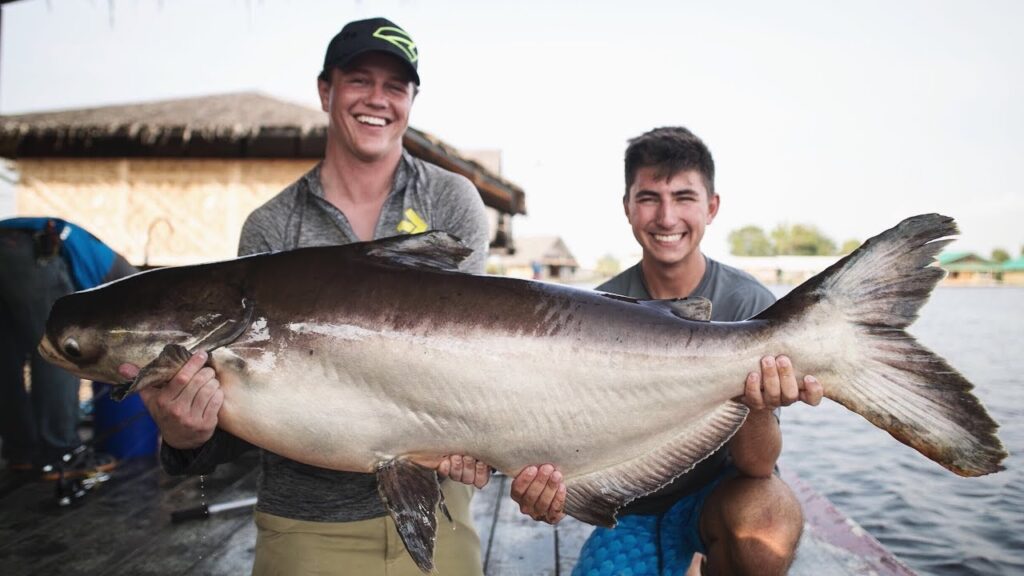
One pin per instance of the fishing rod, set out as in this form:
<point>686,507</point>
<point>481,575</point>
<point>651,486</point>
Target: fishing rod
<point>204,510</point>
<point>70,490</point>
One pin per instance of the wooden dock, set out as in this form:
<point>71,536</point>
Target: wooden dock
<point>124,526</point>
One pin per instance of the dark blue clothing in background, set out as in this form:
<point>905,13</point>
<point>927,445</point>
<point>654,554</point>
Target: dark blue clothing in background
<point>42,259</point>
<point>90,260</point>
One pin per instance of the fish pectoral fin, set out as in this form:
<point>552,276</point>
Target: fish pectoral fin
<point>157,372</point>
<point>597,497</point>
<point>411,493</point>
<point>433,249</point>
<point>229,330</point>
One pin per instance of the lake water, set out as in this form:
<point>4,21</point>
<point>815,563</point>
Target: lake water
<point>935,521</point>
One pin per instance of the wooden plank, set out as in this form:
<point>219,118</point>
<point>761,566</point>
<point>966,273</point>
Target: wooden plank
<point>484,510</point>
<point>111,527</point>
<point>33,505</point>
<point>123,527</point>
<point>519,545</point>
<point>178,548</point>
<point>35,530</point>
<point>570,534</point>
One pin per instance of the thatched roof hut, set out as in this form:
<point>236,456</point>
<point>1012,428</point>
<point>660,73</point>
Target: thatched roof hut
<point>170,182</point>
<point>238,125</point>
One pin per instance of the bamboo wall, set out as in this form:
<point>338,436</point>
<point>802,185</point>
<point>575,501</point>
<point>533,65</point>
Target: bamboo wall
<point>155,211</point>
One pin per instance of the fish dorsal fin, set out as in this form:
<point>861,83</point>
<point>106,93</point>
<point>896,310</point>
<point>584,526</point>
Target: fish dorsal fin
<point>411,493</point>
<point>432,249</point>
<point>596,497</point>
<point>694,308</point>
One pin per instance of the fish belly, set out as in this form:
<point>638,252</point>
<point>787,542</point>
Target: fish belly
<point>351,403</point>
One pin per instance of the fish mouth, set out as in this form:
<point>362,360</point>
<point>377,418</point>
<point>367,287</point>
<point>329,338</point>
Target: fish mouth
<point>52,355</point>
<point>55,356</point>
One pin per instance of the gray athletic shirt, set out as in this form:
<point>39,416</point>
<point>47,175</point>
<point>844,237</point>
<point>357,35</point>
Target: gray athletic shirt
<point>734,295</point>
<point>300,216</point>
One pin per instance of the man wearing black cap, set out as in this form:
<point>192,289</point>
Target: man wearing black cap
<point>313,520</point>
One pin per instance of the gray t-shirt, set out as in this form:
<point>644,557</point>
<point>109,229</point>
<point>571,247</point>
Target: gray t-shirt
<point>300,216</point>
<point>422,194</point>
<point>735,296</point>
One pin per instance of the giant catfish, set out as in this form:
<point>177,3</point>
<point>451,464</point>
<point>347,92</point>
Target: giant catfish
<point>377,357</point>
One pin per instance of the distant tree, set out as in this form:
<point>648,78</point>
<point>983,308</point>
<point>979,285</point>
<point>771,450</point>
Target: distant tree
<point>608,265</point>
<point>999,255</point>
<point>849,246</point>
<point>802,240</point>
<point>750,241</point>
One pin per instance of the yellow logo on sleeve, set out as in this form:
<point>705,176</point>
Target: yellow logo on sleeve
<point>413,223</point>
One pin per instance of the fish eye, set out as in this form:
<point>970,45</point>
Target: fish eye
<point>72,349</point>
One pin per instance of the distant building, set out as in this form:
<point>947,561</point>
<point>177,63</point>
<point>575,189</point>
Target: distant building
<point>171,182</point>
<point>965,268</point>
<point>539,258</point>
<point>781,270</point>
<point>1013,272</point>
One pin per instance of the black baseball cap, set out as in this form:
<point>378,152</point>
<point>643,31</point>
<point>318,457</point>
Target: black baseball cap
<point>372,35</point>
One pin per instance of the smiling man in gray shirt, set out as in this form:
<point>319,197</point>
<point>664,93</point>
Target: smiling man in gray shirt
<point>313,520</point>
<point>729,507</point>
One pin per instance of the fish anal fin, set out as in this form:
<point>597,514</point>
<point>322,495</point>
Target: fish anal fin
<point>157,372</point>
<point>596,497</point>
<point>411,493</point>
<point>432,249</point>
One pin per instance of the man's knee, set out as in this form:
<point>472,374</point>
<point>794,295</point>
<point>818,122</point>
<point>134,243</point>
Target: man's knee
<point>755,523</point>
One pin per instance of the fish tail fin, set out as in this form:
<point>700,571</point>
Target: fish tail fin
<point>883,373</point>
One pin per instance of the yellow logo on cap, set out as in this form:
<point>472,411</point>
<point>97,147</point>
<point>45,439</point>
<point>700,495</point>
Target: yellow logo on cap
<point>400,39</point>
<point>413,223</point>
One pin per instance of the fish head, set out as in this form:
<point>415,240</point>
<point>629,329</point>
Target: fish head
<point>93,332</point>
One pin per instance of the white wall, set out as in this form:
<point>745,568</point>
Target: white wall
<point>8,194</point>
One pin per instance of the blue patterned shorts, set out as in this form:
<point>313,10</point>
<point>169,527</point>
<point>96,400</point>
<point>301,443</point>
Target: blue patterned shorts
<point>649,545</point>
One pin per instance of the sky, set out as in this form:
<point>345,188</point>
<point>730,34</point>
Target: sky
<point>846,115</point>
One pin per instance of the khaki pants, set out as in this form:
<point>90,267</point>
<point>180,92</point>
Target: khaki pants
<point>372,547</point>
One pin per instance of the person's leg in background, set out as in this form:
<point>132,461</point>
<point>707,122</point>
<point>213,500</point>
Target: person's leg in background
<point>55,405</point>
<point>30,282</point>
<point>17,429</point>
<point>17,426</point>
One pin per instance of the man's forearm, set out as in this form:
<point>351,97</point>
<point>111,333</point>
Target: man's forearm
<point>223,447</point>
<point>757,444</point>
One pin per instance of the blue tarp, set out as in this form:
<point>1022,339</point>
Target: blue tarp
<point>88,258</point>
